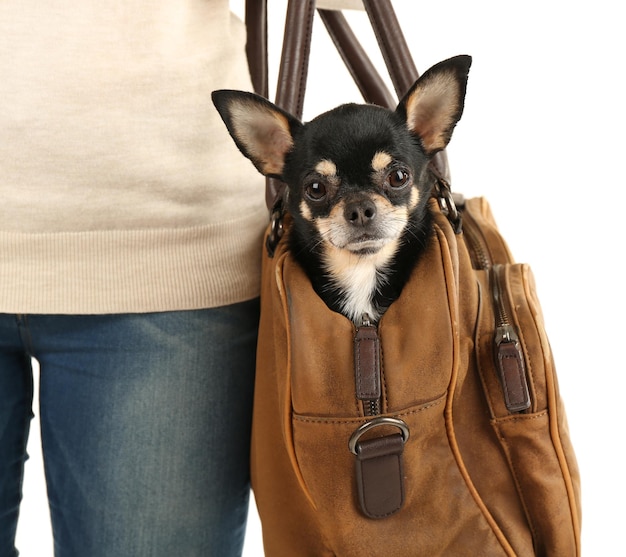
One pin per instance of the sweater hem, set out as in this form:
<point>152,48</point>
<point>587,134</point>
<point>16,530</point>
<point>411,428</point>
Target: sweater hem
<point>131,271</point>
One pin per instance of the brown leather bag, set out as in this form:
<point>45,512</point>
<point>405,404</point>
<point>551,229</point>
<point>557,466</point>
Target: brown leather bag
<point>440,432</point>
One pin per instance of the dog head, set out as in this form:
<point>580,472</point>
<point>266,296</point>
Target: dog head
<point>356,173</point>
<point>357,176</point>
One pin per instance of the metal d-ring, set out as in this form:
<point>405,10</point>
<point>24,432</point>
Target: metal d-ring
<point>372,424</point>
<point>276,228</point>
<point>444,195</point>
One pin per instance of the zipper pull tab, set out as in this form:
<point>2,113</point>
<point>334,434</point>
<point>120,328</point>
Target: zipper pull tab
<point>509,356</point>
<point>367,365</point>
<point>512,370</point>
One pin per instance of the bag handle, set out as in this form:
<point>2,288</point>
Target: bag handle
<point>256,44</point>
<point>294,62</point>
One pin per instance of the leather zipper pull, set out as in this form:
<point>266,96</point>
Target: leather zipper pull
<point>512,370</point>
<point>367,363</point>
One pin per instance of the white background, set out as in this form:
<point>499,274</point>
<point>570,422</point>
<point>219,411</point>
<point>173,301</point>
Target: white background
<point>542,138</point>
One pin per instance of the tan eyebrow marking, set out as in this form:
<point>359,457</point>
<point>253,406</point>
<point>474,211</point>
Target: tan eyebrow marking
<point>381,160</point>
<point>326,168</point>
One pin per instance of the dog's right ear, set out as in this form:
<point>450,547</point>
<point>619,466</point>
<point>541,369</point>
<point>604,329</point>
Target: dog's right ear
<point>262,131</point>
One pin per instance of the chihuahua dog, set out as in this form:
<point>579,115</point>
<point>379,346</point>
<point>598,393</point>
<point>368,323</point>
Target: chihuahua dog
<point>358,183</point>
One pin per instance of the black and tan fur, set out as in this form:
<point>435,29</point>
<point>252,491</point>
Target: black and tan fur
<point>358,182</point>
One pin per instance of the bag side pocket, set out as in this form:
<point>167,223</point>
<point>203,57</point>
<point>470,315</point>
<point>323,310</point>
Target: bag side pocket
<point>535,440</point>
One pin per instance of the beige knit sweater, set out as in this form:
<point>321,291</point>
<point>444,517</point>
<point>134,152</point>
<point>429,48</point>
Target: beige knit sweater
<point>120,190</point>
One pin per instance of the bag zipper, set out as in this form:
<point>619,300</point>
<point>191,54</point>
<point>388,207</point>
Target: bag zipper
<point>505,332</point>
<point>508,354</point>
<point>476,245</point>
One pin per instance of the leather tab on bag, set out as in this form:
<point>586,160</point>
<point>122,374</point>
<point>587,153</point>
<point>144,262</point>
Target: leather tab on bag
<point>380,475</point>
<point>513,376</point>
<point>367,363</point>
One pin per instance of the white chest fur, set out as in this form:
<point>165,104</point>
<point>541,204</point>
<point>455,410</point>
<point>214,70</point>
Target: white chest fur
<point>358,277</point>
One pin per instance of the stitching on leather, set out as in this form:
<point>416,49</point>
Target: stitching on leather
<point>358,420</point>
<point>384,402</point>
<point>520,418</point>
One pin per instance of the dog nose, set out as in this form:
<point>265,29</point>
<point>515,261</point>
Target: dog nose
<point>360,213</point>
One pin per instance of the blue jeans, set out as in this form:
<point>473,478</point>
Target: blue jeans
<point>145,424</point>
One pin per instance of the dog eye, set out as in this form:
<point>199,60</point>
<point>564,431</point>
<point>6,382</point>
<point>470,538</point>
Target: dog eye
<point>315,191</point>
<point>398,178</point>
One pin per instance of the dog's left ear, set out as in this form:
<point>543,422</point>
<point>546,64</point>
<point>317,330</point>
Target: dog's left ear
<point>434,104</point>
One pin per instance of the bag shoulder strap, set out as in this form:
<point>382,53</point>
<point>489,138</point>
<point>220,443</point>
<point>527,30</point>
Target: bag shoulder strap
<point>256,45</point>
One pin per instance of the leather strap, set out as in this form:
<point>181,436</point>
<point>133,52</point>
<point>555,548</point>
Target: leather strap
<point>380,475</point>
<point>293,71</point>
<point>256,45</point>
<point>365,75</point>
<point>392,44</point>
<point>294,63</point>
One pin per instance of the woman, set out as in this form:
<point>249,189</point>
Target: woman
<point>130,233</point>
